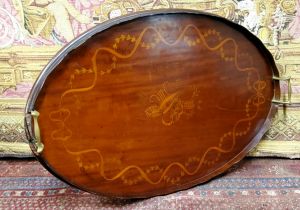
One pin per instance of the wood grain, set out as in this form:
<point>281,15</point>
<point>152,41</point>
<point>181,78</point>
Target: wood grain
<point>155,104</point>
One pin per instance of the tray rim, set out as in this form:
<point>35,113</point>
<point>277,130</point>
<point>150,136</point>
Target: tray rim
<point>75,43</point>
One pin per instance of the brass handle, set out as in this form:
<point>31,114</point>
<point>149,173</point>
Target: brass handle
<point>37,138</point>
<point>289,100</point>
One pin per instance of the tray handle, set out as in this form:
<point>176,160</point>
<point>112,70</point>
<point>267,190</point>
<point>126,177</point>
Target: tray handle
<point>37,137</point>
<point>289,100</point>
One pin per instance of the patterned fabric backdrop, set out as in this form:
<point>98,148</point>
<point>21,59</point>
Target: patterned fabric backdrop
<point>32,31</point>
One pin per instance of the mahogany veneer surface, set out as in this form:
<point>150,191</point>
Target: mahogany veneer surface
<point>155,104</point>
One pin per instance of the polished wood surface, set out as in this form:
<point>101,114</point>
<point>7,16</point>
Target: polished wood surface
<point>155,105</point>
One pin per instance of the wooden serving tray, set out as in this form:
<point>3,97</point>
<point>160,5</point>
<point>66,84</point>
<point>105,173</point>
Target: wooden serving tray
<point>152,103</point>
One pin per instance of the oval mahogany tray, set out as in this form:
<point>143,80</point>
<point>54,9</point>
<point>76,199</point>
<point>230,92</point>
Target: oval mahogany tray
<point>151,103</point>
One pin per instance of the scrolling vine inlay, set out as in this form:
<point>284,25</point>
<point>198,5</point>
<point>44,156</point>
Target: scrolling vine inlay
<point>154,104</point>
<point>162,102</point>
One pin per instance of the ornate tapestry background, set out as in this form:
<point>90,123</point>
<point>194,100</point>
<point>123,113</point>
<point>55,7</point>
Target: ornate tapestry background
<point>32,31</point>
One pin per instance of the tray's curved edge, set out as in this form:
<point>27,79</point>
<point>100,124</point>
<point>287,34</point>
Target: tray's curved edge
<point>37,86</point>
<point>254,142</point>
